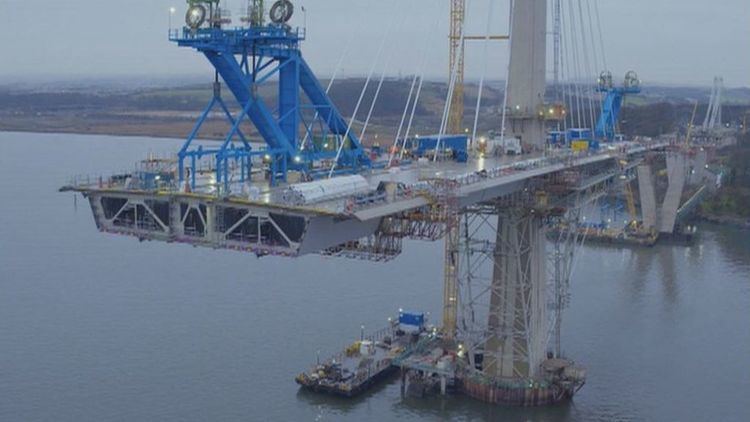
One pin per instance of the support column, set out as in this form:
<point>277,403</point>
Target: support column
<point>517,318</point>
<point>210,227</point>
<point>176,227</point>
<point>648,196</point>
<point>676,173</point>
<point>699,174</point>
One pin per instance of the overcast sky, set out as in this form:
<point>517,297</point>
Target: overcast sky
<point>666,41</point>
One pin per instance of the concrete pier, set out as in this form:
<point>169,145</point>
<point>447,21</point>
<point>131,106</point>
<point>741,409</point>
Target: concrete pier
<point>676,173</point>
<point>648,196</point>
<point>516,325</point>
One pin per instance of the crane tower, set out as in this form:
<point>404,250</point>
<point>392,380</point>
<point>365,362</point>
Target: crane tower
<point>456,64</point>
<point>457,42</point>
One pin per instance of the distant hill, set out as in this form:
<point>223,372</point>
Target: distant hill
<point>731,96</point>
<point>170,110</point>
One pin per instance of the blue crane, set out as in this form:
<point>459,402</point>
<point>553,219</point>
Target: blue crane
<point>245,58</point>
<point>606,126</point>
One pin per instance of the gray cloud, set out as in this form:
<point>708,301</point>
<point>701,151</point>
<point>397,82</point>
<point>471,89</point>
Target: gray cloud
<point>666,41</point>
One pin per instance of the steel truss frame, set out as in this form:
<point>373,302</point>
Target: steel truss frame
<point>265,52</point>
<point>487,318</point>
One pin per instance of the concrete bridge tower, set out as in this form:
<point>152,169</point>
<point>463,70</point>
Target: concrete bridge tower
<point>516,342</point>
<point>527,73</point>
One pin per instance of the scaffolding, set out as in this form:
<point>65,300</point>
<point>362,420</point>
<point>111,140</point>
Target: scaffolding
<point>507,281</point>
<point>382,246</point>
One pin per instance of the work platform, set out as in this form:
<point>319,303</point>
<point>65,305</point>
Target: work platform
<point>257,217</point>
<point>366,361</point>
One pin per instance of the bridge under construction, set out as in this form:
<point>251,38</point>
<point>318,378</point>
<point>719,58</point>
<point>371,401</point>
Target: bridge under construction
<point>314,187</point>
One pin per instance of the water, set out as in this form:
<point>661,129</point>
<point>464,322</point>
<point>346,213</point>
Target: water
<point>97,327</point>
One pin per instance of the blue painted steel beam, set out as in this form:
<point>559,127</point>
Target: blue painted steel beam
<point>606,126</point>
<point>289,100</point>
<point>274,51</point>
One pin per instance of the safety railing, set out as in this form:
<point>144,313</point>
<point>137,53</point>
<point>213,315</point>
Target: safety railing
<point>272,33</point>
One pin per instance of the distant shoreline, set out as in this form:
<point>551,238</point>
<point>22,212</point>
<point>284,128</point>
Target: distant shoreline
<point>122,134</point>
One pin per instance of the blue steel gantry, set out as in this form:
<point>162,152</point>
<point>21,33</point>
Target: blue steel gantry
<point>245,59</point>
<point>606,126</point>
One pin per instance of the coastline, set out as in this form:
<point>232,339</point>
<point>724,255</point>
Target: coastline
<point>138,129</point>
<point>724,220</point>
<point>170,128</point>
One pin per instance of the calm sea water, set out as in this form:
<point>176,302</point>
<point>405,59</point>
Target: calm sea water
<point>98,327</point>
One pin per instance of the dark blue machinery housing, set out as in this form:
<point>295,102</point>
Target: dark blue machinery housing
<point>411,319</point>
<point>457,145</point>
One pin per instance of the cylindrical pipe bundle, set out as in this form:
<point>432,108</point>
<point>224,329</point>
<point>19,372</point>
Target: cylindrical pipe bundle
<point>326,189</point>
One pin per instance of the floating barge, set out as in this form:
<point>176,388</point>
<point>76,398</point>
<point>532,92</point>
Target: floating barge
<point>431,364</point>
<point>611,236</point>
<point>367,360</point>
<point>628,236</point>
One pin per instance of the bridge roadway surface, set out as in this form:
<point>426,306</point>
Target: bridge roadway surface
<point>299,229</point>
